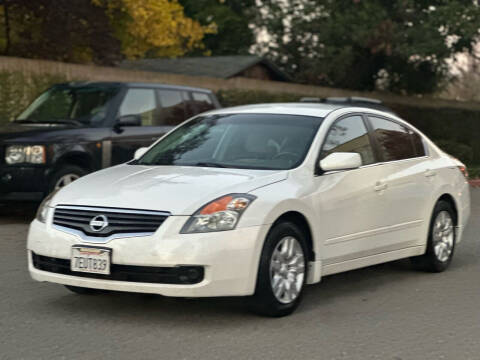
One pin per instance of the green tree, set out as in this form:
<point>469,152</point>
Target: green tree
<point>402,45</point>
<point>231,18</point>
<point>97,31</point>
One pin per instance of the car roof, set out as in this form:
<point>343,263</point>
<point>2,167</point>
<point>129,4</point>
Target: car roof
<point>303,108</point>
<point>135,85</point>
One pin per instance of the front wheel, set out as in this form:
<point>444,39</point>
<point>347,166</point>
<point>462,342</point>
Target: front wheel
<point>282,272</point>
<point>64,176</point>
<point>441,240</point>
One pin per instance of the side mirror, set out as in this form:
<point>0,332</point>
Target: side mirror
<point>129,120</point>
<point>341,161</point>
<point>139,153</point>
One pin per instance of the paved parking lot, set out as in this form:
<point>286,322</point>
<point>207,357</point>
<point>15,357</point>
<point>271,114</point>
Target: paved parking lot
<point>387,311</point>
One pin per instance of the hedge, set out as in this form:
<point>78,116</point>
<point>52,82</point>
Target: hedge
<point>457,131</point>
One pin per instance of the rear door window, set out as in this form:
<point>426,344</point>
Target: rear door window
<point>395,141</point>
<point>202,102</point>
<point>173,110</point>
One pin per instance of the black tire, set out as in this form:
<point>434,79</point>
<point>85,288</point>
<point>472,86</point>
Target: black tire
<point>83,291</point>
<point>430,261</point>
<point>264,301</point>
<point>62,172</point>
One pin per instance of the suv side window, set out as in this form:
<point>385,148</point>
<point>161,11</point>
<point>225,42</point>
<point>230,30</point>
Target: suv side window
<point>202,101</point>
<point>173,107</point>
<point>140,102</point>
<point>394,141</point>
<point>349,135</point>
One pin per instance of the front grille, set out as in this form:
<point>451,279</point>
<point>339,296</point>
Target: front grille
<point>120,221</point>
<point>186,275</point>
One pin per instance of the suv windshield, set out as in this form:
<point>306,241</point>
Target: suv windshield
<point>70,104</point>
<point>248,141</point>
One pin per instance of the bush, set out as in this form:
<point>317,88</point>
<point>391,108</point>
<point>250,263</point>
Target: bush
<point>462,152</point>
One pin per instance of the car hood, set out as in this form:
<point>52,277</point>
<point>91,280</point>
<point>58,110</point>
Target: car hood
<point>180,190</point>
<point>15,132</point>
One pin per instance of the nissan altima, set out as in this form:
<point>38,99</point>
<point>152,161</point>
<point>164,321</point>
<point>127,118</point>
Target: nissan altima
<point>256,201</point>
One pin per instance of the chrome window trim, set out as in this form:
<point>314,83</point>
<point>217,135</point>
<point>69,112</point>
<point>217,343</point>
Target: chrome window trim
<point>113,210</point>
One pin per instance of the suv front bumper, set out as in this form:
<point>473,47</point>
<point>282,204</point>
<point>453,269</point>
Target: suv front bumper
<point>23,182</point>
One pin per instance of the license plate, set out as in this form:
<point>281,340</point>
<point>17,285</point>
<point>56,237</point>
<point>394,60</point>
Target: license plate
<point>90,260</point>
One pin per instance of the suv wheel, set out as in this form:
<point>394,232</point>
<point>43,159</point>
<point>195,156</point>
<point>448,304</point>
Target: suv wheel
<point>64,176</point>
<point>441,240</point>
<point>282,272</point>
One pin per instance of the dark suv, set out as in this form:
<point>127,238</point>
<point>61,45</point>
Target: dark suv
<point>76,128</point>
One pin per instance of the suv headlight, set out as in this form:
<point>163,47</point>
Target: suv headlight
<point>44,208</point>
<point>219,215</point>
<point>18,154</point>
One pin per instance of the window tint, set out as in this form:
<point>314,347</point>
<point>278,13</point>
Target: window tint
<point>173,107</point>
<point>202,102</point>
<point>87,104</point>
<point>140,102</point>
<point>349,135</point>
<point>394,140</point>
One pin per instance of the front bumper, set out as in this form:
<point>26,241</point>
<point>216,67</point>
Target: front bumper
<point>230,258</point>
<point>23,182</point>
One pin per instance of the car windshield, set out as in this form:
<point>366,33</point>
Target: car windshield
<point>247,141</point>
<point>70,104</point>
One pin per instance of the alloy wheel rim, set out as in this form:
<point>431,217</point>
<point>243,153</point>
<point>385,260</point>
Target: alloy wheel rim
<point>287,270</point>
<point>65,180</point>
<point>443,236</point>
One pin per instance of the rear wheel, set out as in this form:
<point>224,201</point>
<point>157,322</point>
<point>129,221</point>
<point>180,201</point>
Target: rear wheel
<point>441,240</point>
<point>282,272</point>
<point>83,291</point>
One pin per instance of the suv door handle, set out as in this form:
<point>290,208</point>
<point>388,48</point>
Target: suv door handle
<point>430,173</point>
<point>380,186</point>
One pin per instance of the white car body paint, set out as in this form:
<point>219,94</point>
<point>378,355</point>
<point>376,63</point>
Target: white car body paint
<point>354,220</point>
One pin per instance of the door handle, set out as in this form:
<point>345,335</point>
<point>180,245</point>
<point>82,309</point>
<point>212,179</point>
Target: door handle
<point>380,186</point>
<point>430,173</point>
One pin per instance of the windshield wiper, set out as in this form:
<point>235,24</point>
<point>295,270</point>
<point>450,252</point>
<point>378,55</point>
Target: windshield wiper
<point>209,164</point>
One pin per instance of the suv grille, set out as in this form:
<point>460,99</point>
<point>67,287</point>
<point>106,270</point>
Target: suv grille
<point>105,222</point>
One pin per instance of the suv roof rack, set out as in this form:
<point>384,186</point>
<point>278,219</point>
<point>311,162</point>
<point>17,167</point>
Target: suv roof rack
<point>350,100</point>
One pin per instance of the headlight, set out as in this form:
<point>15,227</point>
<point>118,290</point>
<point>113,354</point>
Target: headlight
<point>44,208</point>
<point>219,215</point>
<point>17,154</point>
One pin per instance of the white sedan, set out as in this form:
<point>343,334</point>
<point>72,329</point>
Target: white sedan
<point>256,201</point>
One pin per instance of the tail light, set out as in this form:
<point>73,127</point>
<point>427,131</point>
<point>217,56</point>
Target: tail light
<point>464,171</point>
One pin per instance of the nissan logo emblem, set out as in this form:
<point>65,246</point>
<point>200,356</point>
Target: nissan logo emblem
<point>98,223</point>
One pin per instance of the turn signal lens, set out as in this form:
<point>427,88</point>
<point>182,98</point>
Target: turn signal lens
<point>219,215</point>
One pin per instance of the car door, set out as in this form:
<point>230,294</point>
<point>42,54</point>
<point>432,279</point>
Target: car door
<point>404,158</point>
<point>143,102</point>
<point>351,204</point>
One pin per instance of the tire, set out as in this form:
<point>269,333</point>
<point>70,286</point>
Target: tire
<point>66,172</point>
<point>441,240</point>
<point>83,291</point>
<point>276,268</point>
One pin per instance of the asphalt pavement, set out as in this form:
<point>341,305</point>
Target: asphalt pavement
<point>389,311</point>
